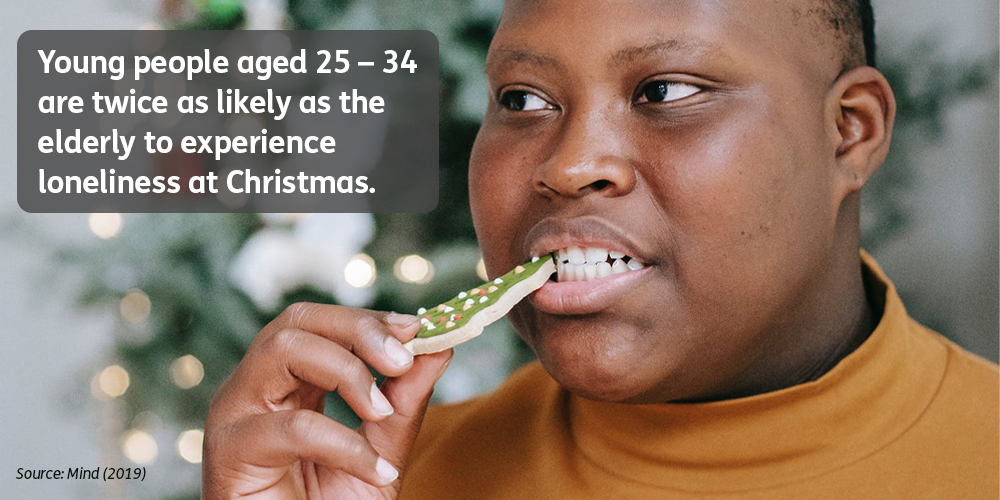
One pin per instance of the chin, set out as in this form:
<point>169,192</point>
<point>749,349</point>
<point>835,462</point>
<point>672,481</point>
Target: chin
<point>594,368</point>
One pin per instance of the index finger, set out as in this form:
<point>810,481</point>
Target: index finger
<point>374,336</point>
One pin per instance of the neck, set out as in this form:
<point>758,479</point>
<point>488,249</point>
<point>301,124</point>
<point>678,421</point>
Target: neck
<point>829,320</point>
<point>862,327</point>
<point>824,328</point>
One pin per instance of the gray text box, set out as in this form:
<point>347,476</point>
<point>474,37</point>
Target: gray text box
<point>394,154</point>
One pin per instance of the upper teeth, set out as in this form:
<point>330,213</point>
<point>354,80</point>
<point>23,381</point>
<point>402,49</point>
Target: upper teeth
<point>596,255</point>
<point>585,264</point>
<point>576,256</point>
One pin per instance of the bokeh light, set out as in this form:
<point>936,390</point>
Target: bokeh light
<point>112,382</point>
<point>139,447</point>
<point>187,371</point>
<point>135,306</point>
<point>189,445</point>
<point>413,269</point>
<point>360,271</point>
<point>105,226</point>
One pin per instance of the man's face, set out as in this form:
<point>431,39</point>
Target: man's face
<point>688,135</point>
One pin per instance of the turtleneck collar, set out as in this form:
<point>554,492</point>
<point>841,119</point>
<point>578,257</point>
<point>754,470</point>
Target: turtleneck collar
<point>865,402</point>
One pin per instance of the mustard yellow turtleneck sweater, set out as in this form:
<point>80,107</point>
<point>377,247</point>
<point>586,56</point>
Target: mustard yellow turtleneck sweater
<point>908,415</point>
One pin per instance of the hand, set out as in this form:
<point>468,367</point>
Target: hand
<point>266,435</point>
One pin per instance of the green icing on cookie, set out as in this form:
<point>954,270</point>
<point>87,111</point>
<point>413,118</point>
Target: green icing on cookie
<point>455,313</point>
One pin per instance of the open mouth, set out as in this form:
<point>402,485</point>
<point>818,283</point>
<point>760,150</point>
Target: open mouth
<point>576,263</point>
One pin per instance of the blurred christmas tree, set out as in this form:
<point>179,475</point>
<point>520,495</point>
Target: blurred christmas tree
<point>192,290</point>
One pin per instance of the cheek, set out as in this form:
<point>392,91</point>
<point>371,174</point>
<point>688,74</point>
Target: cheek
<point>744,198</point>
<point>497,196</point>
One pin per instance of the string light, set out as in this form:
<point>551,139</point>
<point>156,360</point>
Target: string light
<point>187,371</point>
<point>360,271</point>
<point>105,226</point>
<point>135,306</point>
<point>413,269</point>
<point>481,270</point>
<point>112,382</point>
<point>139,447</point>
<point>189,445</point>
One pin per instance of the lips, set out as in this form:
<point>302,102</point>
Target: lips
<point>597,265</point>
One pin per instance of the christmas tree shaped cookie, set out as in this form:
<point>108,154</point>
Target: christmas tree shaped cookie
<point>464,317</point>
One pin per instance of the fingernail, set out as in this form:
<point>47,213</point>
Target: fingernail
<point>401,320</point>
<point>382,406</point>
<point>396,352</point>
<point>386,471</point>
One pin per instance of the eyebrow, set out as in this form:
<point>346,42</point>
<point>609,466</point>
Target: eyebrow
<point>695,46</point>
<point>621,57</point>
<point>507,55</point>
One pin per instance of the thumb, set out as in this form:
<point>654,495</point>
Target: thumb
<point>408,394</point>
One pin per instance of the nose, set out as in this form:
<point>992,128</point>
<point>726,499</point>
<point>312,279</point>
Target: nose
<point>585,161</point>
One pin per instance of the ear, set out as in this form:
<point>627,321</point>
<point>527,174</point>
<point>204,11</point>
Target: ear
<point>861,110</point>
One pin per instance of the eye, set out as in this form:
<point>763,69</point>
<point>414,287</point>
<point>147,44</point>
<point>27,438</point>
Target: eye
<point>522,100</point>
<point>665,91</point>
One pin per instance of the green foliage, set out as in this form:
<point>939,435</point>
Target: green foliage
<point>180,261</point>
<point>311,14</point>
<point>217,15</point>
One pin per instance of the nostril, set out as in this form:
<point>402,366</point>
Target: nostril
<point>601,184</point>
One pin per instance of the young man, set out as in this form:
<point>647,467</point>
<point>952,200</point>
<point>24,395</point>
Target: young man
<point>753,354</point>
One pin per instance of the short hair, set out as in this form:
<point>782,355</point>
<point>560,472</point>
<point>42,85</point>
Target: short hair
<point>854,24</point>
